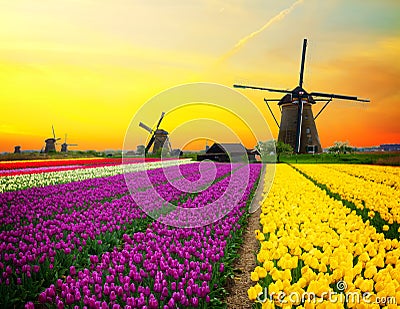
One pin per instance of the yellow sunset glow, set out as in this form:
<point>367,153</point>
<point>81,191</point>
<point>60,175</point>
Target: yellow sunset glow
<point>87,67</point>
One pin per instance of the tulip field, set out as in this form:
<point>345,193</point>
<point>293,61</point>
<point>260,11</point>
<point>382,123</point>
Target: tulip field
<point>75,238</point>
<point>84,233</point>
<point>319,245</point>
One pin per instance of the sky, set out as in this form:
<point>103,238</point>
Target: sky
<point>88,67</point>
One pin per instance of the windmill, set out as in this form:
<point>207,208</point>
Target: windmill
<point>51,142</point>
<point>297,126</point>
<point>64,146</point>
<point>159,137</point>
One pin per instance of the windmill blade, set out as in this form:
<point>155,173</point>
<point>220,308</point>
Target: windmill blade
<point>150,144</point>
<point>169,145</point>
<point>337,96</point>
<point>54,134</point>
<point>65,140</point>
<point>148,129</point>
<point>57,139</point>
<point>159,121</point>
<point>72,144</point>
<point>303,60</point>
<point>262,88</point>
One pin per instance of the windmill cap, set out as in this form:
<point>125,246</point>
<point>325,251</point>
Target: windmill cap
<point>160,131</point>
<point>288,97</point>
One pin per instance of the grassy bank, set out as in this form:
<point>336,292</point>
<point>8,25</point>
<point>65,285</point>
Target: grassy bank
<point>380,158</point>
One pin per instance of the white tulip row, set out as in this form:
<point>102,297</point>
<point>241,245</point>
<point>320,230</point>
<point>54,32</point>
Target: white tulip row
<point>20,182</point>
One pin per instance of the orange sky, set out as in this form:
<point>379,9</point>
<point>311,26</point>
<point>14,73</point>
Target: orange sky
<point>88,66</point>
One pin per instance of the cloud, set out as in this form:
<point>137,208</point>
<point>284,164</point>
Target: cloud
<point>281,15</point>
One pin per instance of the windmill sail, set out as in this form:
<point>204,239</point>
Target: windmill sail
<point>159,121</point>
<point>297,126</point>
<point>148,129</point>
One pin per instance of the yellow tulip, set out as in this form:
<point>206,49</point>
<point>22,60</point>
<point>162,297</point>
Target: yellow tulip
<point>268,265</point>
<point>252,294</point>
<point>254,276</point>
<point>309,304</point>
<point>286,275</point>
<point>370,272</point>
<point>259,235</point>
<point>275,274</point>
<point>367,285</point>
<point>262,273</point>
<point>268,305</point>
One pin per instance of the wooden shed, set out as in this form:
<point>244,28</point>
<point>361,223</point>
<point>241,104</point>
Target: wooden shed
<point>228,152</point>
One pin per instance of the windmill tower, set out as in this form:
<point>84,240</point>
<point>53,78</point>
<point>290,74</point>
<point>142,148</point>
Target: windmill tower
<point>159,137</point>
<point>297,126</point>
<point>17,149</point>
<point>51,142</point>
<point>64,146</point>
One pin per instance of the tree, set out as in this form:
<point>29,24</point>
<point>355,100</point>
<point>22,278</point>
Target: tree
<point>340,147</point>
<point>273,149</point>
<point>140,150</point>
<point>282,148</point>
<point>266,150</point>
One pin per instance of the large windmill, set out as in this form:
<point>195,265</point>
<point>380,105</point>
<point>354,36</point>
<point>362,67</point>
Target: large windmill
<point>297,126</point>
<point>64,146</point>
<point>158,137</point>
<point>51,142</point>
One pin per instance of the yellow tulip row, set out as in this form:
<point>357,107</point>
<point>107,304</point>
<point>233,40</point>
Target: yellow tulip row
<point>387,175</point>
<point>317,253</point>
<point>375,196</point>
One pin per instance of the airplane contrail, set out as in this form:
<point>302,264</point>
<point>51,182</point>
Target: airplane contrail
<point>244,40</point>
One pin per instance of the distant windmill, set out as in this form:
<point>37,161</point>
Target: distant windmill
<point>297,126</point>
<point>51,142</point>
<point>17,149</point>
<point>158,137</point>
<point>64,146</point>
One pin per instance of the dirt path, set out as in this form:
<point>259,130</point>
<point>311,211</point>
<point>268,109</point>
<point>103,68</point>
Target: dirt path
<point>237,298</point>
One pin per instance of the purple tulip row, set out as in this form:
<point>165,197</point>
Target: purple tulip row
<point>162,267</point>
<point>49,223</point>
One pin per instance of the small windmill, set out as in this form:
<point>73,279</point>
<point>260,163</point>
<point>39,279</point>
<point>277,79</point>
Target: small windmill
<point>158,137</point>
<point>297,126</point>
<point>64,146</point>
<point>17,149</point>
<point>51,142</point>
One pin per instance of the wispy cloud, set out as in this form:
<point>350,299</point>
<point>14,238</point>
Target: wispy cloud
<point>281,15</point>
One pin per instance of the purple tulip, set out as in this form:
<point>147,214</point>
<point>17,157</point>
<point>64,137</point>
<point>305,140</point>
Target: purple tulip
<point>113,297</point>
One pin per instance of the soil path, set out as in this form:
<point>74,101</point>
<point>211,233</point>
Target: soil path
<point>237,298</point>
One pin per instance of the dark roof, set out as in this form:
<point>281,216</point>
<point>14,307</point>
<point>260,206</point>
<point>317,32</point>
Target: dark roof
<point>231,148</point>
<point>161,131</point>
